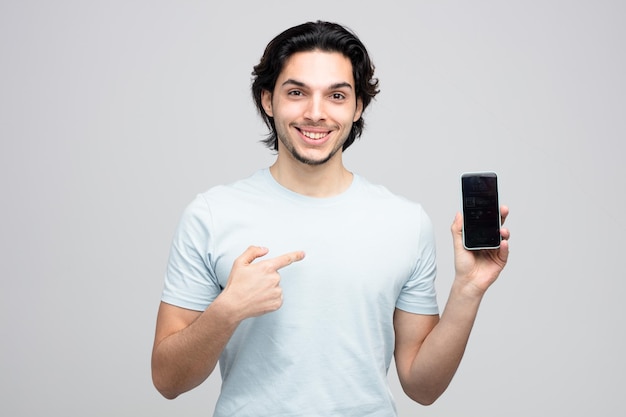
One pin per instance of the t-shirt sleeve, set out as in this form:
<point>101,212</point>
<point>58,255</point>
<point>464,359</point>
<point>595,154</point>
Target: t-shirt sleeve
<point>190,281</point>
<point>418,294</point>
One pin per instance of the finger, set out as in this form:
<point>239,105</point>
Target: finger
<point>457,224</point>
<point>505,233</point>
<point>504,212</point>
<point>250,254</point>
<point>503,251</point>
<point>457,231</point>
<point>285,260</point>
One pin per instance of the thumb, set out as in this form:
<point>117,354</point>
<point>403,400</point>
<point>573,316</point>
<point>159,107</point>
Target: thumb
<point>250,254</point>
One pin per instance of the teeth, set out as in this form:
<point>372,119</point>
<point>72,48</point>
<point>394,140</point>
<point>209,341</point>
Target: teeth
<point>313,135</point>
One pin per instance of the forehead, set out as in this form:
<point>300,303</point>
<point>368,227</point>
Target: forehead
<point>317,68</point>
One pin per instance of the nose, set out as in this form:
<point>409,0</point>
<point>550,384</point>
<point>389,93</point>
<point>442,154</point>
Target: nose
<point>315,110</point>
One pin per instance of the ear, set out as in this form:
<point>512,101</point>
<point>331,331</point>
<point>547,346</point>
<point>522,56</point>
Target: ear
<point>359,110</point>
<point>266,101</point>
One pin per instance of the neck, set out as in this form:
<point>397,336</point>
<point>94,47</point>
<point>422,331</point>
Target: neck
<point>321,181</point>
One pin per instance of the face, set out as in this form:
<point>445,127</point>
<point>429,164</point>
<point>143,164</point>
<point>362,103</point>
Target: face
<point>313,105</point>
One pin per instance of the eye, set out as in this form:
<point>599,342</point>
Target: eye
<point>295,93</point>
<point>338,96</point>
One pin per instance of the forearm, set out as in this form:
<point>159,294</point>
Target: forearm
<point>427,364</point>
<point>183,360</point>
<point>440,354</point>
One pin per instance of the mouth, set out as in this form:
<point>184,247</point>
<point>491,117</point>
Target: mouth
<point>314,135</point>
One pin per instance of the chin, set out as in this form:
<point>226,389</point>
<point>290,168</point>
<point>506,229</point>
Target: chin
<point>313,160</point>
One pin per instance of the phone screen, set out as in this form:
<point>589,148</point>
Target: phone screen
<point>481,210</point>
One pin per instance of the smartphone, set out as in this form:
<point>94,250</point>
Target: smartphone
<point>481,210</point>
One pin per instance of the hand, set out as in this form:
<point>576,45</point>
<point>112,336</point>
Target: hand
<point>479,268</point>
<point>254,288</point>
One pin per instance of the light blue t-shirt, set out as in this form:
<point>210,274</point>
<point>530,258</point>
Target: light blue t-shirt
<point>327,350</point>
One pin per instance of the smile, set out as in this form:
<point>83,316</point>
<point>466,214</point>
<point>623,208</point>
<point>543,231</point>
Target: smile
<point>314,135</point>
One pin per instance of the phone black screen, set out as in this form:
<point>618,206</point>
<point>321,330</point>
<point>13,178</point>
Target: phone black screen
<point>481,210</point>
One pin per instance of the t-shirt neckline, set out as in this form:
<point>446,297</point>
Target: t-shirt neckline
<point>304,199</point>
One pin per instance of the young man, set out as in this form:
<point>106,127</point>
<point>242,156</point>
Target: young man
<point>314,335</point>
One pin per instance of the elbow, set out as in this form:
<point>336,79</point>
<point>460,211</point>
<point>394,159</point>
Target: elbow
<point>423,397</point>
<point>424,400</point>
<point>163,379</point>
<point>168,395</point>
<point>164,386</point>
<point>171,382</point>
<point>165,391</point>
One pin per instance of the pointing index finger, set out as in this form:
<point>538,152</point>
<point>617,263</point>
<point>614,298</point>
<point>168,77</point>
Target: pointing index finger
<point>286,259</point>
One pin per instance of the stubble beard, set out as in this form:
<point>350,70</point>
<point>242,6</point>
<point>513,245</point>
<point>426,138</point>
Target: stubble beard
<point>308,161</point>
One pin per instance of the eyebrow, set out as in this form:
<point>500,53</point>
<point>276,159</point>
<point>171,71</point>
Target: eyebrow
<point>335,86</point>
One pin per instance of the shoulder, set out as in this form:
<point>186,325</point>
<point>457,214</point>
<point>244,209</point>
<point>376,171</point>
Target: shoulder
<point>398,213</point>
<point>223,198</point>
<point>249,187</point>
<point>381,195</point>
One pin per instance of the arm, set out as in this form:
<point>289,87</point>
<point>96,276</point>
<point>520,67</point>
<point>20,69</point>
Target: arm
<point>428,349</point>
<point>188,343</point>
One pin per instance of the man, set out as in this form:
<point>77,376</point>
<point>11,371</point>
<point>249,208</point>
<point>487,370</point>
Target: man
<point>314,335</point>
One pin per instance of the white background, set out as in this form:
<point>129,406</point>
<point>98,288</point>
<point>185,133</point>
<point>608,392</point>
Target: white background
<point>115,114</point>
